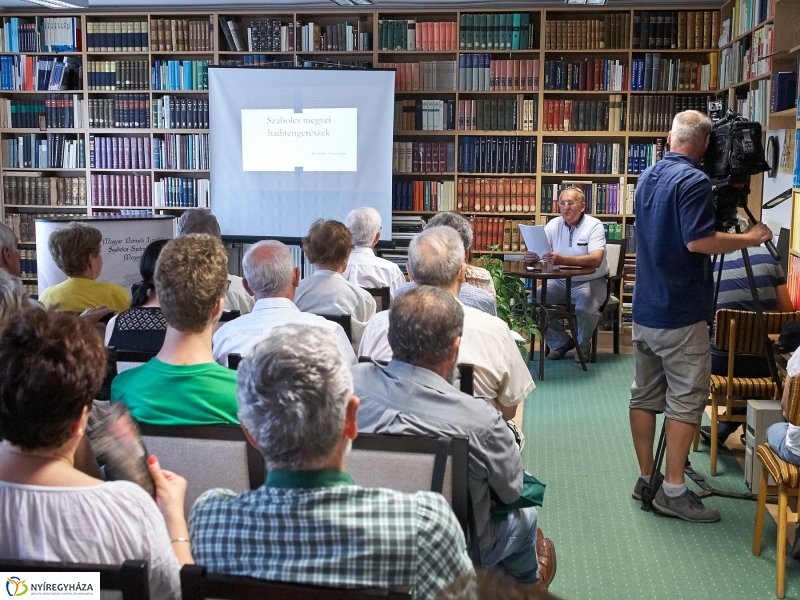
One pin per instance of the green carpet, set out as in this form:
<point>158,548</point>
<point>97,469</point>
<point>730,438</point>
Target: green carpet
<point>579,444</point>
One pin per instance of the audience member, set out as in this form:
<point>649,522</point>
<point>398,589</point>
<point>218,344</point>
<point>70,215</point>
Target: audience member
<point>142,327</point>
<point>436,257</point>
<point>784,438</point>
<point>309,523</point>
<point>183,385</point>
<point>51,365</point>
<point>576,240</point>
<point>13,298</point>
<point>326,291</point>
<point>200,220</point>
<point>412,396</point>
<point>76,251</point>
<point>271,277</point>
<point>363,267</point>
<point>9,253</point>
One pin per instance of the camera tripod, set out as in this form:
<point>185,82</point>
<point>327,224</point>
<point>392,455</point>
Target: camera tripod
<point>730,196</point>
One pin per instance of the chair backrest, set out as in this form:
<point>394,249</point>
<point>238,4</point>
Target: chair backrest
<point>749,336</point>
<point>198,584</point>
<point>381,296</point>
<point>344,321</point>
<point>129,578</point>
<point>793,405</point>
<point>466,373</point>
<point>207,456</point>
<point>615,256</point>
<point>229,315</point>
<point>127,359</point>
<point>234,358</point>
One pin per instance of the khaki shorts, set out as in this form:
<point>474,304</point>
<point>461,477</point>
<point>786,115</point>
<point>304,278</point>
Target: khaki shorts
<point>673,369</point>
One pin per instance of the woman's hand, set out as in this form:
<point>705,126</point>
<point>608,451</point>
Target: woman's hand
<point>95,314</point>
<point>170,490</point>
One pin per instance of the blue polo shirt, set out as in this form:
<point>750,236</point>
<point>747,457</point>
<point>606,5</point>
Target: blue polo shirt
<point>674,206</point>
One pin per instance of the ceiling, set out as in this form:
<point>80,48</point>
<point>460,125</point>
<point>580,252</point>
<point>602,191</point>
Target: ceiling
<point>304,5</point>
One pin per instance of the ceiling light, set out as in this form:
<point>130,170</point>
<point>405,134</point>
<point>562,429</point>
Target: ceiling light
<point>60,4</point>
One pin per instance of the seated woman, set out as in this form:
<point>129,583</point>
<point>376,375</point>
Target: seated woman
<point>327,292</point>
<point>76,250</point>
<point>51,365</point>
<point>142,327</point>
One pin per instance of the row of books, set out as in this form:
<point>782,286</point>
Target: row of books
<point>125,111</point>
<point>424,115</point>
<point>121,190</point>
<point>57,110</point>
<point>171,35</point>
<point>41,34</point>
<point>22,224</point>
<point>601,198</point>
<point>257,60</point>
<point>181,151</point>
<point>676,30</point>
<point>28,73</point>
<point>655,112</point>
<point>27,263</point>
<point>498,115</point>
<point>180,74</point>
<point>496,194</point>
<point>408,34</point>
<point>106,152</point>
<point>423,195</point>
<point>56,151</point>
<point>496,31</point>
<point>761,50</point>
<point>654,73</point>
<point>117,36</point>
<point>488,233</point>
<point>118,75</point>
<point>512,238</point>
<point>182,192</point>
<point>171,112</point>
<point>34,189</point>
<point>613,231</point>
<point>585,115</point>
<point>423,76</point>
<point>642,156</point>
<point>496,154</point>
<point>609,32</point>
<point>597,74</point>
<point>423,157</point>
<point>736,63</point>
<point>746,14</point>
<point>263,35</point>
<point>596,158</point>
<point>754,104</point>
<point>481,72</point>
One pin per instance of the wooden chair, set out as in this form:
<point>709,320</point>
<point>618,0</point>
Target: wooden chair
<point>129,578</point>
<point>738,331</point>
<point>787,478</point>
<point>198,584</point>
<point>344,321</point>
<point>615,256</point>
<point>207,456</point>
<point>381,296</point>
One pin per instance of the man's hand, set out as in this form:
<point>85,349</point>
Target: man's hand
<point>531,257</point>
<point>553,257</point>
<point>95,314</point>
<point>760,233</point>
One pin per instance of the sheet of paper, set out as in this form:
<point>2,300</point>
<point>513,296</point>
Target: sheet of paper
<point>535,239</point>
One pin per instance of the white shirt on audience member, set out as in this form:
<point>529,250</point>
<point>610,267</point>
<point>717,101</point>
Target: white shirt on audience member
<point>367,270</point>
<point>237,298</point>
<point>500,375</point>
<point>328,293</point>
<point>242,334</point>
<point>793,433</point>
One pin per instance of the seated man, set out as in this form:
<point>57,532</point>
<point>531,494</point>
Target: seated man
<point>436,257</point>
<point>784,438</point>
<point>271,277</point>
<point>310,523</point>
<point>200,220</point>
<point>183,385</point>
<point>363,267</point>
<point>576,240</point>
<point>412,396</point>
<point>477,290</point>
<point>9,253</point>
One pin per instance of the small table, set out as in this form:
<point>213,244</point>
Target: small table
<point>520,269</point>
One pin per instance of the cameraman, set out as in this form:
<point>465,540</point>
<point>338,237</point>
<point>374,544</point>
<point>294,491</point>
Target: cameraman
<point>672,308</point>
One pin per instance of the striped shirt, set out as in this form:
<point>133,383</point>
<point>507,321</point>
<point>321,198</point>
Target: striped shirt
<point>734,289</point>
<point>469,296</point>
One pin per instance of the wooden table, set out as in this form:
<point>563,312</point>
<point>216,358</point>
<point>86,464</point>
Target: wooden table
<point>535,274</point>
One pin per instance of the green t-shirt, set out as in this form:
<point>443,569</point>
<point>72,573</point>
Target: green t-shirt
<point>161,394</point>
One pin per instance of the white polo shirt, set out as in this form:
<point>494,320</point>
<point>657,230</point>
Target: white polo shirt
<point>585,237</point>
<point>367,270</point>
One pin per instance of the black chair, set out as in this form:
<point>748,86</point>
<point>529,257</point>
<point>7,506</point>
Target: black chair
<point>381,296</point>
<point>131,358</point>
<point>609,311</point>
<point>344,321</point>
<point>198,584</point>
<point>229,315</point>
<point>466,373</point>
<point>234,359</point>
<point>129,578</point>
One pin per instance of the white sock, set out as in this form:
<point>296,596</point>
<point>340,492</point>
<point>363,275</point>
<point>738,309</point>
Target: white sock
<point>673,491</point>
<point>645,477</point>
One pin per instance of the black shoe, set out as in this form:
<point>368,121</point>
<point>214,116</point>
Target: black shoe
<point>705,435</point>
<point>559,353</point>
<point>687,506</point>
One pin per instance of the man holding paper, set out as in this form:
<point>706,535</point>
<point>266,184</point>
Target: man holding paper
<point>575,239</point>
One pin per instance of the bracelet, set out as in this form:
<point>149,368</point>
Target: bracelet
<point>180,539</point>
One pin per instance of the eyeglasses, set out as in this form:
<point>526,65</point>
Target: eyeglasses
<point>562,204</point>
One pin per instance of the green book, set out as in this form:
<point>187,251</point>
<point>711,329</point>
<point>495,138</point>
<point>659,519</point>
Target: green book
<point>515,31</point>
<point>426,202</point>
<point>403,35</point>
<point>480,108</point>
<point>509,115</point>
<point>524,32</point>
<point>470,21</point>
<point>493,115</point>
<point>502,31</point>
<point>476,32</point>
<point>381,34</point>
<point>462,32</point>
<point>491,32</point>
<point>483,30</point>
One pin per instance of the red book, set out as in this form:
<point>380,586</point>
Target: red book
<point>437,36</point>
<point>550,118</point>
<point>568,115</point>
<point>442,157</point>
<point>598,74</point>
<point>560,116</point>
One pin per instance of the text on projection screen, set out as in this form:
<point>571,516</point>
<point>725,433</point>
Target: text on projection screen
<point>316,139</point>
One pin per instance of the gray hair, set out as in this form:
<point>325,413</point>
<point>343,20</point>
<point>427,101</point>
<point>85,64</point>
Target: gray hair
<point>7,237</point>
<point>293,390</point>
<point>364,224</point>
<point>457,222</point>
<point>690,126</point>
<point>423,324</point>
<point>13,298</point>
<point>435,256</point>
<point>576,190</point>
<point>268,268</point>
<point>199,220</point>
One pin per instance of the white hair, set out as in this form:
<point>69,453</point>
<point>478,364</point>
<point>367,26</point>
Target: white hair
<point>435,256</point>
<point>364,224</point>
<point>690,126</point>
<point>268,273</point>
<point>12,295</point>
<point>7,237</point>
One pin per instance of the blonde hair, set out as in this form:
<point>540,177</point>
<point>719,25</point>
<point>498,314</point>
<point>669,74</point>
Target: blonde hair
<point>191,275</point>
<point>71,247</point>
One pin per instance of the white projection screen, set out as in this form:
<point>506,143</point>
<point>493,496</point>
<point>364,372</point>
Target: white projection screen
<point>289,146</point>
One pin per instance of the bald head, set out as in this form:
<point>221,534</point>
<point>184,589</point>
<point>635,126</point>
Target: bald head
<point>269,270</point>
<point>436,257</point>
<point>689,134</point>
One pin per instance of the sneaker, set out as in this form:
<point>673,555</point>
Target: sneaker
<point>705,435</point>
<point>637,491</point>
<point>519,437</point>
<point>687,506</point>
<point>559,353</point>
<point>546,553</point>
